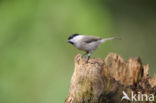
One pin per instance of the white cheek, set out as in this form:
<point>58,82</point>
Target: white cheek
<point>77,38</point>
<point>72,40</point>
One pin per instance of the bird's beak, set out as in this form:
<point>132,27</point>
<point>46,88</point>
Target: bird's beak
<point>70,42</point>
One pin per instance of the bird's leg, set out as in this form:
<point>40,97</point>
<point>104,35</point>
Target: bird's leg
<point>78,59</point>
<point>88,56</point>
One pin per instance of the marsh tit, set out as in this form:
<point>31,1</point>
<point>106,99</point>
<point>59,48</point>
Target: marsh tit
<point>87,43</point>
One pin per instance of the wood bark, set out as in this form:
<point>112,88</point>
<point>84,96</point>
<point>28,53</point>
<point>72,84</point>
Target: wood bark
<point>103,81</point>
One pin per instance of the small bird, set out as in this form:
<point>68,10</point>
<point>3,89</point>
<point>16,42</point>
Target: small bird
<point>87,43</point>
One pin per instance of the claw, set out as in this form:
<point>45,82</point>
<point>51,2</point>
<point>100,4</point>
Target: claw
<point>87,58</point>
<point>78,59</point>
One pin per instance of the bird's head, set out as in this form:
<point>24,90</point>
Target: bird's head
<point>71,38</point>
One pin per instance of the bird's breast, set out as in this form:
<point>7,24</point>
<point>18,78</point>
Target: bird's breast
<point>87,46</point>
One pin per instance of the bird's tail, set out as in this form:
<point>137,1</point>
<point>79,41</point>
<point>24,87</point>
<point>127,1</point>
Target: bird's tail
<point>112,38</point>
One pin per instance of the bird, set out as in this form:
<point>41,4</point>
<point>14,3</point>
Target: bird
<point>87,43</point>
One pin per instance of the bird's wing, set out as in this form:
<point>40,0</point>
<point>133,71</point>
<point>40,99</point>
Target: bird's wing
<point>90,39</point>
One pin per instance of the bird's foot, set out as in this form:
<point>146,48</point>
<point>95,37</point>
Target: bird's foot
<point>87,58</point>
<point>78,59</point>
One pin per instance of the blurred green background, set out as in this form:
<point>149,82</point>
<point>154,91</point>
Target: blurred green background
<point>36,63</point>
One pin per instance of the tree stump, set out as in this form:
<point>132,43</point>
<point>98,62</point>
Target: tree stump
<point>111,80</point>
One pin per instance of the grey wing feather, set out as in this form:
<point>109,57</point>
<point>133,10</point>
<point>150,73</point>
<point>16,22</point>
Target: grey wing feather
<point>90,39</point>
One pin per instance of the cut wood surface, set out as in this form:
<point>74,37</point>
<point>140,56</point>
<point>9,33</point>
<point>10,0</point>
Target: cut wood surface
<point>103,81</point>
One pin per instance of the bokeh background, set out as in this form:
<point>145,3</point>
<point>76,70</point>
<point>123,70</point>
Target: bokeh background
<point>36,62</point>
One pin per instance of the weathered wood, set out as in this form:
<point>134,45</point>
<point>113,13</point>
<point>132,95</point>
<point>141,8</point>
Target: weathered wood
<point>103,81</point>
